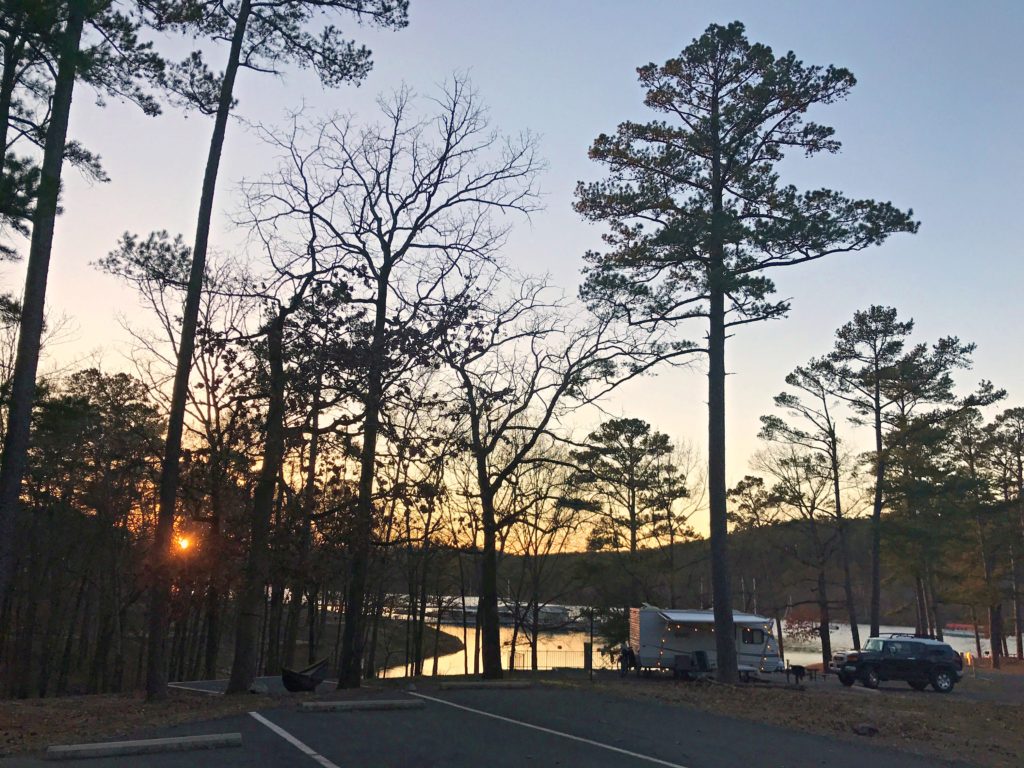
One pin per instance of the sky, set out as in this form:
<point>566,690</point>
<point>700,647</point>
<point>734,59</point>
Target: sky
<point>934,124</point>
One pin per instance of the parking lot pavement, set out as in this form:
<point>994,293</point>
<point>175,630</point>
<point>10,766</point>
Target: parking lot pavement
<point>259,747</point>
<point>543,726</point>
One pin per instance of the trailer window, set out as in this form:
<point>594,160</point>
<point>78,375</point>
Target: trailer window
<point>753,636</point>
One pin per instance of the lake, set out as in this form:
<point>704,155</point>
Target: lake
<point>565,649</point>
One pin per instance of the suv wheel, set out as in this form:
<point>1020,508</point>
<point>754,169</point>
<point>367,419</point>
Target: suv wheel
<point>943,680</point>
<point>846,679</point>
<point>871,678</point>
<point>918,685</point>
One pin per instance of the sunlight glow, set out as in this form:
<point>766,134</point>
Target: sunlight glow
<point>183,543</point>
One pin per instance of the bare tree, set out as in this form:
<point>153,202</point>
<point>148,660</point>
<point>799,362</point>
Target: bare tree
<point>520,364</point>
<point>803,492</point>
<point>815,405</point>
<point>408,208</point>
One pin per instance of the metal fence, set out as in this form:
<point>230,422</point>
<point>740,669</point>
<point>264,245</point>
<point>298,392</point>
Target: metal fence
<point>558,660</point>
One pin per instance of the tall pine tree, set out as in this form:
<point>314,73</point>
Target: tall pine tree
<point>697,214</point>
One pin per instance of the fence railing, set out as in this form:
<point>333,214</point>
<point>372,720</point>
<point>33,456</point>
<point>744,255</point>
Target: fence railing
<point>558,660</point>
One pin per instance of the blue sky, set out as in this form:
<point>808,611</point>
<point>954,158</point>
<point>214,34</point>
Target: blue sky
<point>933,124</point>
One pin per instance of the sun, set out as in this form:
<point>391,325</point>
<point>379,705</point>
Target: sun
<point>183,543</point>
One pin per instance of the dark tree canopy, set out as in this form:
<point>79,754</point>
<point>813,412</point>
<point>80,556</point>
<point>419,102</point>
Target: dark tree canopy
<point>705,177</point>
<point>629,468</point>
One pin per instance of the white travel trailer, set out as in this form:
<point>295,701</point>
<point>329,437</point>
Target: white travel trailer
<point>684,640</point>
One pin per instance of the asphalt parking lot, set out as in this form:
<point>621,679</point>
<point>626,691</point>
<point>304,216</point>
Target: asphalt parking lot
<point>541,726</point>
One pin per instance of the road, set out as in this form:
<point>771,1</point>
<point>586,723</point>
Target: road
<point>540,726</point>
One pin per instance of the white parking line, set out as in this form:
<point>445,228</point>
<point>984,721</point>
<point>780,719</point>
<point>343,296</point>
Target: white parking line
<point>301,746</point>
<point>551,731</point>
<point>183,687</point>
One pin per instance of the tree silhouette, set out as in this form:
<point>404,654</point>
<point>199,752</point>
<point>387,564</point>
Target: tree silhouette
<point>98,44</point>
<point>697,215</point>
<point>263,34</point>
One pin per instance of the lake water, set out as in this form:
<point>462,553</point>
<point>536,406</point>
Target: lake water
<point>801,651</point>
<point>565,649</point>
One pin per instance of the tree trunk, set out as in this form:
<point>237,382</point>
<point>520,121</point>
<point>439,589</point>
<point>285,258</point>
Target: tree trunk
<point>490,627</point>
<point>535,633</point>
<point>13,53</point>
<point>300,585</point>
<point>350,672</point>
<point>312,623</point>
<point>721,577</point>
<point>23,380</point>
<point>995,633</point>
<point>825,620</point>
<point>977,631</point>
<point>876,517</point>
<point>65,661</point>
<point>671,562</point>
<point>325,607</point>
<point>376,612</point>
<point>251,595</point>
<point>477,632</point>
<point>512,645</point>
<point>437,634</point>
<point>212,649</point>
<point>465,622</point>
<point>782,646</point>
<point>273,644</point>
<point>291,627</point>
<point>156,668</point>
<point>421,623</point>
<point>844,547</point>
<point>922,604</point>
<point>933,601</point>
<point>213,597</point>
<point>1017,629</point>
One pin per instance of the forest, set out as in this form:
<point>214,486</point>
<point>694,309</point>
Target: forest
<point>368,414</point>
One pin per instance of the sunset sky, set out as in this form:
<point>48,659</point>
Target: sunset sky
<point>934,124</point>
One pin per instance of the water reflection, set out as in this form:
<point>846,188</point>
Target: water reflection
<point>562,649</point>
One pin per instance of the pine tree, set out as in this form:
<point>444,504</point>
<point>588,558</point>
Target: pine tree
<point>698,214</point>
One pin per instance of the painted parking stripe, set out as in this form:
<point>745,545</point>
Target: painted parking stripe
<point>301,746</point>
<point>183,687</point>
<point>551,731</point>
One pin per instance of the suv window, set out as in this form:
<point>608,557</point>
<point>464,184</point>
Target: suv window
<point>903,649</point>
<point>874,644</point>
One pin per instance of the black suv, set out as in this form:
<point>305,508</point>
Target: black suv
<point>917,660</point>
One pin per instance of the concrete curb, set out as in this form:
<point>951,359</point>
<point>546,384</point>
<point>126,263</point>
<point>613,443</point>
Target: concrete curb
<point>366,704</point>
<point>143,746</point>
<point>506,684</point>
